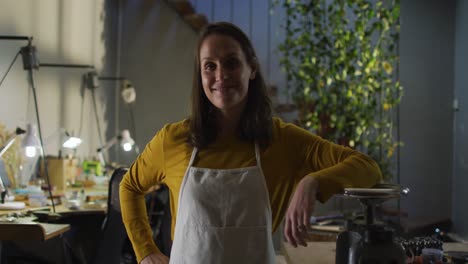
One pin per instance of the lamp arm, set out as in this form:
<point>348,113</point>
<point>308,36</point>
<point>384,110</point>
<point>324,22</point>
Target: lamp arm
<point>10,141</point>
<point>64,65</point>
<point>111,78</point>
<point>56,133</point>
<point>2,189</point>
<point>108,144</point>
<point>2,37</point>
<point>7,145</point>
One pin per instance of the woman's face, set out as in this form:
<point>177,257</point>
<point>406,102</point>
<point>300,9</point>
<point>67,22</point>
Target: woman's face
<point>225,72</point>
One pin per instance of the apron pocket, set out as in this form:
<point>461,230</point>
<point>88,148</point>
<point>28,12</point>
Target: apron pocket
<point>223,245</point>
<point>248,245</point>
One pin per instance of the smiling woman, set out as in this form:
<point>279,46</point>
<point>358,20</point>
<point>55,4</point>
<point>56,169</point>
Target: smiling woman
<point>233,171</point>
<point>227,77</point>
<point>225,73</point>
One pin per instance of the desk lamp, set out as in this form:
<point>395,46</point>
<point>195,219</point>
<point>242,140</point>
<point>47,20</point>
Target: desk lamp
<point>67,140</point>
<point>30,62</point>
<point>3,187</point>
<point>31,142</point>
<point>71,142</point>
<point>126,142</point>
<point>127,92</point>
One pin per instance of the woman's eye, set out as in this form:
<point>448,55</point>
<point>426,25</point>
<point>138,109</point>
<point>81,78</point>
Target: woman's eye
<point>232,63</point>
<point>210,66</point>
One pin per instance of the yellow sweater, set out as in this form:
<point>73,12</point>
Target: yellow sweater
<point>293,154</point>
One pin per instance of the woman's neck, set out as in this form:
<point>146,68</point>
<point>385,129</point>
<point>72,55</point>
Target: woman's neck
<point>228,122</point>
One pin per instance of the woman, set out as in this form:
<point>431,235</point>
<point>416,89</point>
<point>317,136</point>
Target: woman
<point>231,168</point>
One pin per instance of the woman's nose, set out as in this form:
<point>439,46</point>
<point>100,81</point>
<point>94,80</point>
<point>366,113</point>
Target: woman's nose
<point>221,74</point>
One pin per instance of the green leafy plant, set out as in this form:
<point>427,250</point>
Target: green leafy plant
<point>340,58</point>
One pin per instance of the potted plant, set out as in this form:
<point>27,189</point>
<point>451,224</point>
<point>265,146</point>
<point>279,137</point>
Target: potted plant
<point>340,58</point>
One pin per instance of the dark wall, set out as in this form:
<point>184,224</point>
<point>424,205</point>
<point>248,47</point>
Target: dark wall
<point>426,117</point>
<point>156,55</point>
<point>460,161</point>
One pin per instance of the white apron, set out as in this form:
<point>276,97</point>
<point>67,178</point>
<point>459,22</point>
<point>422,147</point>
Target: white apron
<point>223,217</point>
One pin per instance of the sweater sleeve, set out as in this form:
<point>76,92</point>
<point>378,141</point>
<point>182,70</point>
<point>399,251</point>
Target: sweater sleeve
<point>334,166</point>
<point>147,171</point>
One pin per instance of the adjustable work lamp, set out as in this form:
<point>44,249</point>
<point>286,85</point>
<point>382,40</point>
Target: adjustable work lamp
<point>31,50</point>
<point>31,142</point>
<point>125,140</point>
<point>127,90</point>
<point>67,140</point>
<point>128,94</point>
<point>31,146</point>
<point>71,142</point>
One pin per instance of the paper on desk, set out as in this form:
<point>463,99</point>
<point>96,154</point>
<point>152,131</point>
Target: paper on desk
<point>12,206</point>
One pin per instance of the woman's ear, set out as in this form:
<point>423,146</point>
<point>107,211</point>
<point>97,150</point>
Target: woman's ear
<point>252,75</point>
<point>254,66</point>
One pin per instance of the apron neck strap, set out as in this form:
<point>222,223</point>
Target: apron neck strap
<point>192,158</point>
<point>257,155</point>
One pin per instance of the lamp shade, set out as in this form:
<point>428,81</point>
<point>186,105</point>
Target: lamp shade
<point>126,142</point>
<point>30,141</point>
<point>72,142</point>
<point>128,92</point>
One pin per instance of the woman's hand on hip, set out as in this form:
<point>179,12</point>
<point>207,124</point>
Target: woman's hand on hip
<point>299,211</point>
<point>155,258</point>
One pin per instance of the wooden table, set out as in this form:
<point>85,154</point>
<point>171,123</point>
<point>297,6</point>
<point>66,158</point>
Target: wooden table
<point>28,227</point>
<point>315,252</point>
<point>27,232</point>
<point>324,252</point>
<point>25,228</point>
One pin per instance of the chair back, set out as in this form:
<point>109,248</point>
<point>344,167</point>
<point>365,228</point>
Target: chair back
<point>114,246</point>
<point>113,234</point>
<point>114,184</point>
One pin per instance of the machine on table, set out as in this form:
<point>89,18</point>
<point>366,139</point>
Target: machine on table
<point>370,240</point>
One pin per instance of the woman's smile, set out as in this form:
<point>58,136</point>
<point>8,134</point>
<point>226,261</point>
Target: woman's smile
<point>223,89</point>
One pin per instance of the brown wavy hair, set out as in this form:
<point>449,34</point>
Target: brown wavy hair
<point>256,121</point>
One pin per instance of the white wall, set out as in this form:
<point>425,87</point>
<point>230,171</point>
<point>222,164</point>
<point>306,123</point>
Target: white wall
<point>64,32</point>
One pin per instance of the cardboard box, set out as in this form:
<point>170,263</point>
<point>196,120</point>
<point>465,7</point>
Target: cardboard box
<point>61,171</point>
